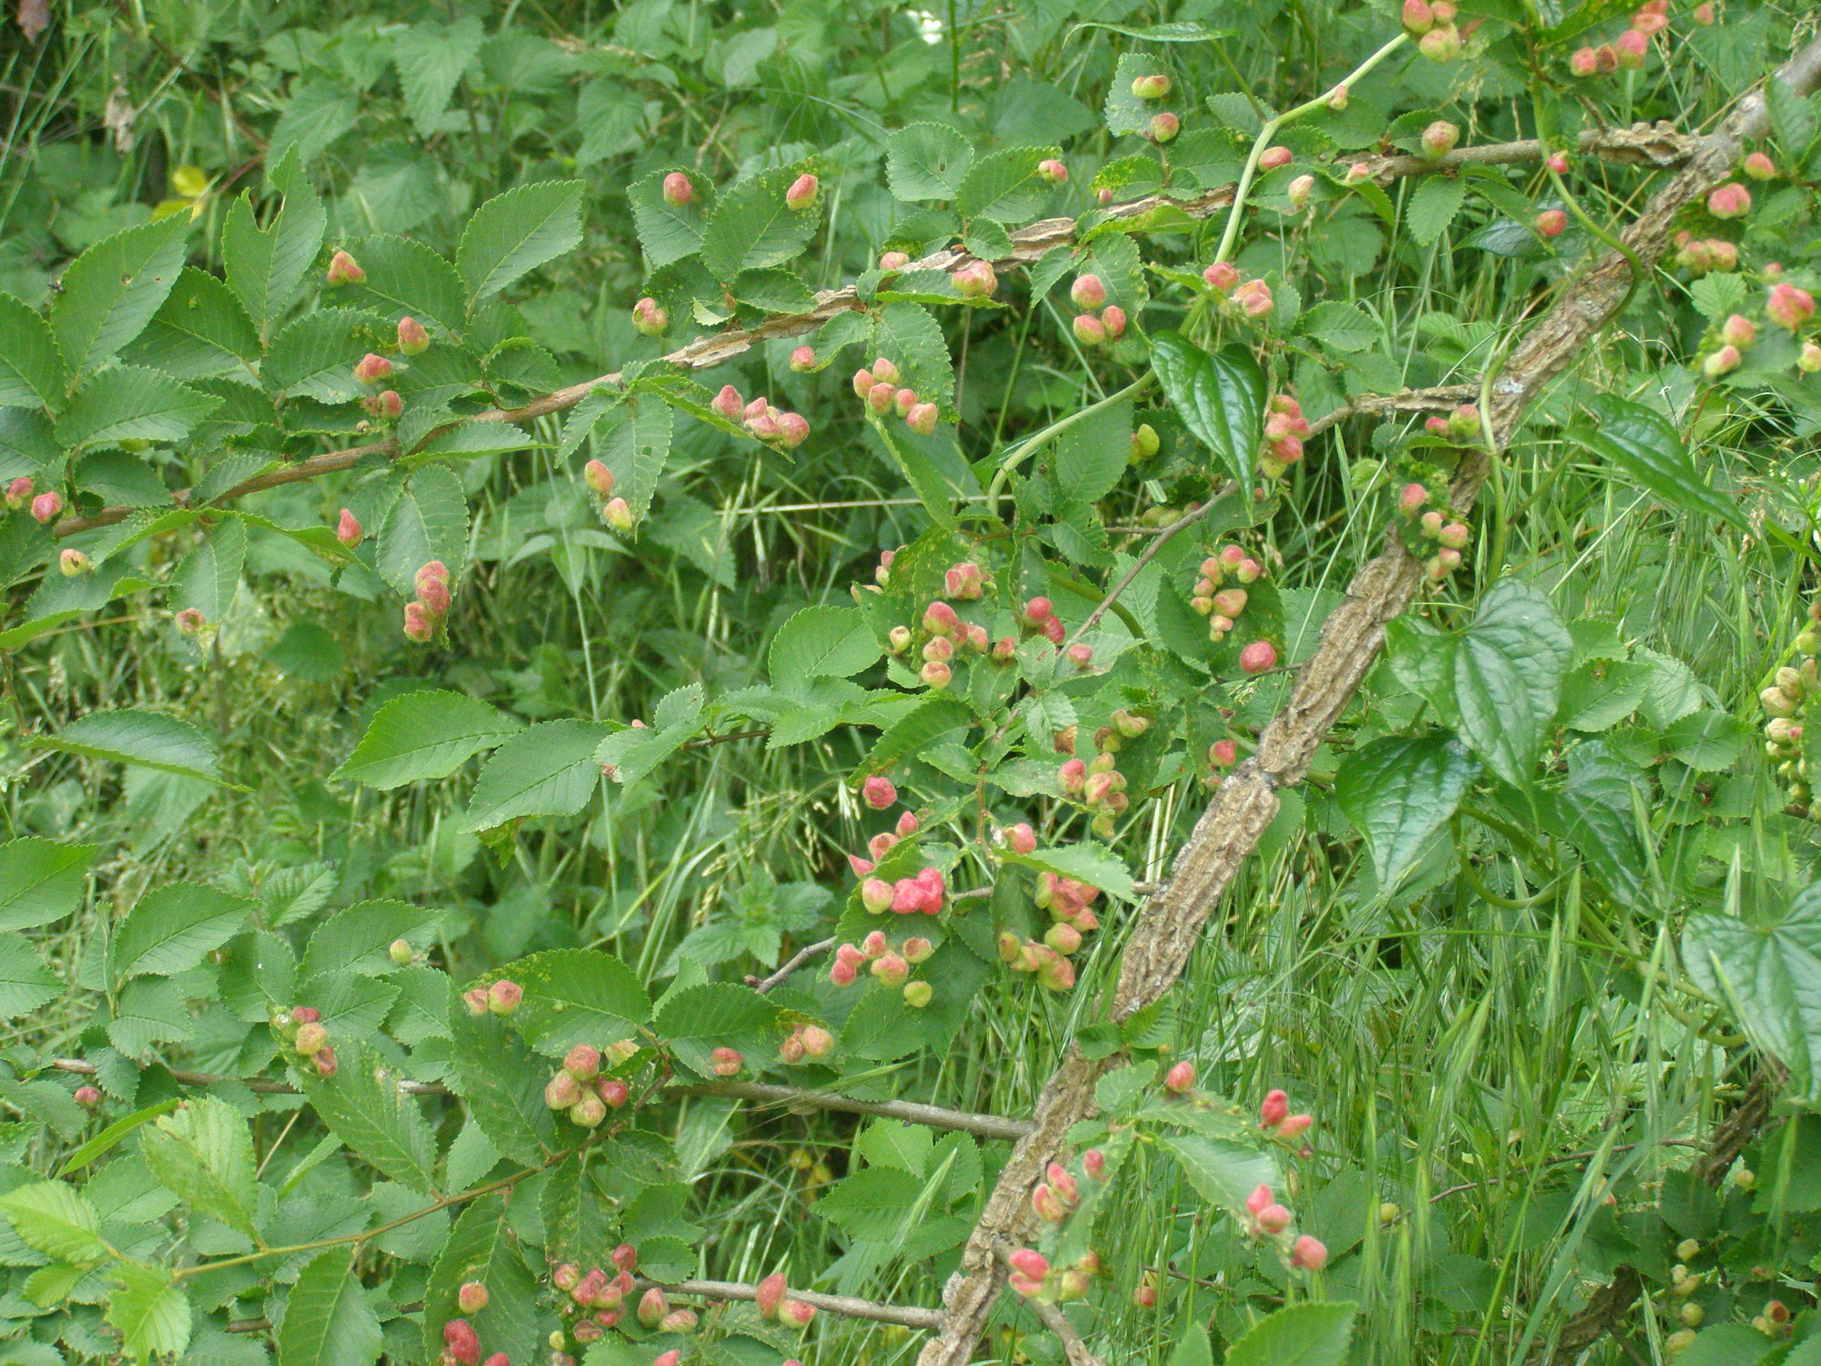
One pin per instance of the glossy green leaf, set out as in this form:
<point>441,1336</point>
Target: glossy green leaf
<point>1646,447</point>
<point>1508,671</point>
<point>1399,793</point>
<point>577,996</point>
<point>481,1247</point>
<point>150,1310</point>
<point>750,226</point>
<point>57,1220</point>
<point>405,278</point>
<point>201,329</point>
<point>172,927</point>
<point>210,573</point>
<point>25,983</point>
<point>1004,185</point>
<point>1220,398</point>
<point>823,642</point>
<point>548,770</point>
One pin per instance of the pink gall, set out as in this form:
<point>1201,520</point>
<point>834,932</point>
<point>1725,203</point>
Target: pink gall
<point>649,320</point>
<point>1759,167</point>
<point>420,626</point>
<point>678,190</point>
<point>770,1295</point>
<point>1439,138</point>
<point>348,529</point>
<point>1089,330</point>
<point>1260,1198</point>
<point>462,1342</point>
<point>921,418</point>
<point>371,368</point>
<point>803,359</point>
<point>88,1097</point>
<point>1731,200</point>
<point>1551,223</point>
<point>894,260</point>
<point>1052,172</point>
<point>726,1062</point>
<point>975,280</point>
<point>598,478</point>
<point>1164,128</point>
<point>504,996</point>
<point>1273,1110</point>
<point>72,563</point>
<point>1021,838</point>
<point>1151,87</point>
<point>1632,48</point>
<point>1180,1078</point>
<point>1273,157</point>
<point>617,513</point>
<point>1789,306</point>
<point>652,1307</point>
<point>1308,1254</point>
<point>1258,657</point>
<point>344,270</point>
<point>472,1297</point>
<point>802,193</point>
<point>1221,277</point>
<point>1087,292</point>
<point>1721,362</point>
<point>1738,331</point>
<point>1112,317</point>
<point>413,338</point>
<point>728,403</point>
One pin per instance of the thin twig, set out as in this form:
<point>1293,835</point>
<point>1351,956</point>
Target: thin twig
<point>849,1306</point>
<point>796,960</point>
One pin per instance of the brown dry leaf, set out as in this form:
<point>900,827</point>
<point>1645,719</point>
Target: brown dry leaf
<point>34,17</point>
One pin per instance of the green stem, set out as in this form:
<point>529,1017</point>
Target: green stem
<point>1024,449</point>
<point>1268,134</point>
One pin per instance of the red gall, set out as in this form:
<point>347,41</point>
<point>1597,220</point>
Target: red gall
<point>19,492</point>
<point>1258,657</point>
<point>1087,292</point>
<point>371,369</point>
<point>190,620</point>
<point>1221,277</point>
<point>894,260</point>
<point>386,404</point>
<point>1089,330</point>
<point>648,319</point>
<point>803,359</point>
<point>1180,1078</point>
<point>1551,223</point>
<point>904,400</point>
<point>598,478</point>
<point>1053,171</point>
<point>413,338</point>
<point>1632,47</point>
<point>1274,1218</point>
<point>348,529</point>
<point>1439,138</point>
<point>1112,317</point>
<point>726,1062</point>
<point>472,1297</point>
<point>1557,162</point>
<point>503,997</point>
<point>770,1296</point>
<point>1152,87</point>
<point>462,1342</point>
<point>678,189</point>
<point>1308,1254</point>
<point>88,1097</point>
<point>1164,128</point>
<point>1274,1109</point>
<point>1273,157</point>
<point>1721,362</point>
<point>344,270</point>
<point>1789,306</point>
<point>1738,331</point>
<point>583,1062</point>
<point>1759,167</point>
<point>562,1091</point>
<point>72,563</point>
<point>975,280</point>
<point>324,1062</point>
<point>652,1307</point>
<point>1731,200</point>
<point>728,403</point>
<point>1440,44</point>
<point>802,193</point>
<point>612,1091</point>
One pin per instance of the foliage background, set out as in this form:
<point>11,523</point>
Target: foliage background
<point>1484,1044</point>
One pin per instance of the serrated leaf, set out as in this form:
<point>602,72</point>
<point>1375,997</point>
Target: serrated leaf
<point>1508,671</point>
<point>548,770</point>
<point>823,642</point>
<point>481,1248</point>
<point>41,880</point>
<point>265,266</point>
<point>355,940</point>
<point>57,1220</point>
<point>1005,185</point>
<point>1223,1173</point>
<point>151,1312</point>
<point>172,927</point>
<point>428,521</point>
<point>1297,1335</point>
<point>405,277</point>
<point>926,161</point>
<point>130,736</point>
<point>32,373</point>
<point>1770,973</point>
<point>1432,207</point>
<point>696,1020</point>
<point>1399,793</point>
<point>1092,455</point>
<point>934,721</point>
<point>632,438</point>
<point>502,1082</point>
<point>1220,397</point>
<point>203,1153</point>
<point>129,402</point>
<point>1646,446</point>
<point>422,735</point>
<point>201,329</point>
<point>751,226</point>
<point>210,573</point>
<point>110,292</point>
<point>314,356</point>
<point>328,1321</point>
<point>365,1108</point>
<point>430,59</point>
<point>668,232</point>
<point>517,232</point>
<point>25,983</point>
<point>1087,862</point>
<point>577,996</point>
<point>1339,326</point>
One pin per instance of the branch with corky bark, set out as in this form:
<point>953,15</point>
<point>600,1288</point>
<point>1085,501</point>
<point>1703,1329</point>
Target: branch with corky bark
<point>1170,922</point>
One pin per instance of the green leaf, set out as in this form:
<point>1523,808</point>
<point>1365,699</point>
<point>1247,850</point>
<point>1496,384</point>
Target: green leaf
<point>405,277</point>
<point>1399,794</point>
<point>149,1013</point>
<point>1125,112</point>
<point>1091,456</point>
<point>265,266</point>
<point>577,996</point>
<point>200,330</point>
<point>1645,446</point>
<point>421,735</point>
<point>502,1082</point>
<point>355,940</point>
<point>428,521</point>
<point>1432,207</point>
<point>668,232</point>
<point>56,1219</point>
<point>751,226</point>
<point>517,232</point>
<point>1770,970</point>
<point>935,721</point>
<point>314,356</point>
<point>632,438</point>
<point>1193,1348</point>
<point>926,161</point>
<point>146,738</point>
<point>32,373</point>
<point>210,573</point>
<point>1004,185</point>
<point>1298,1335</point>
<point>203,1154</point>
<point>110,292</point>
<point>131,403</point>
<point>481,1248</point>
<point>549,770</point>
<point>699,1019</point>
<point>25,984</point>
<point>1085,862</point>
<point>365,1108</point>
<point>1220,397</point>
<point>1508,671</point>
<point>822,642</point>
<point>151,1312</point>
<point>1223,1173</point>
<point>172,927</point>
<point>41,880</point>
<point>1339,326</point>
<point>328,1321</point>
<point>909,335</point>
<point>430,59</point>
